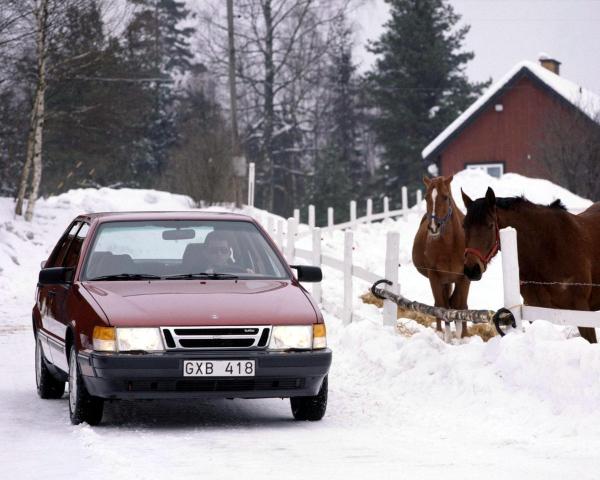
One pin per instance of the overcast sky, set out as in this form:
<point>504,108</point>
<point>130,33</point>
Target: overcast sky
<point>504,32</point>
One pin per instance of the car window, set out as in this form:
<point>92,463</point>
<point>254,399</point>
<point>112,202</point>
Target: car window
<point>178,247</point>
<point>72,257</point>
<point>60,250</point>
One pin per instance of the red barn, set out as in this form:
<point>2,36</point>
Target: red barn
<point>502,130</point>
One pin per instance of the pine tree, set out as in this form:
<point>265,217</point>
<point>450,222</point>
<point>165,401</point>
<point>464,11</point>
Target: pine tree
<point>340,171</point>
<point>159,49</point>
<point>418,85</point>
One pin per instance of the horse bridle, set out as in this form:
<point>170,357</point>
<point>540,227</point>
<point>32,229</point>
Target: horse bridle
<point>493,250</point>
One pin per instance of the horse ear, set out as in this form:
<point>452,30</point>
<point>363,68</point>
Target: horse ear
<point>448,180</point>
<point>466,199</point>
<point>490,197</point>
<point>426,180</point>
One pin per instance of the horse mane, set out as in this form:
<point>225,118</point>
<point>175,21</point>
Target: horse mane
<point>478,209</point>
<point>509,203</point>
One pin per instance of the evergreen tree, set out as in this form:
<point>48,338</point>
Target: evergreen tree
<point>93,127</point>
<point>340,171</point>
<point>418,85</point>
<point>158,48</point>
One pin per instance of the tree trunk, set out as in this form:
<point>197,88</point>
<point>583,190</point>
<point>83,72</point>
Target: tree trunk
<point>25,174</point>
<point>41,15</point>
<point>269,109</point>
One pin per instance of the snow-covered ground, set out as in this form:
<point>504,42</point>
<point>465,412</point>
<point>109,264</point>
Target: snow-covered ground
<point>525,406</point>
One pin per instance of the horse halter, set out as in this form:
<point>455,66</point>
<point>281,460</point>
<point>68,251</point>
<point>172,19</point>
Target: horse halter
<point>442,221</point>
<point>493,250</point>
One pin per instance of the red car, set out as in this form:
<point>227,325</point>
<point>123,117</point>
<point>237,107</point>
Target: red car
<point>176,305</point>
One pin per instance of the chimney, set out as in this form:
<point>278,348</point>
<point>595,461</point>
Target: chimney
<point>549,63</point>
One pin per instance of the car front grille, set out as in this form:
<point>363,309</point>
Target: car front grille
<point>216,338</point>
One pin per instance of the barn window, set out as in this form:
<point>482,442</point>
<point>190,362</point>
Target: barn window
<point>492,169</point>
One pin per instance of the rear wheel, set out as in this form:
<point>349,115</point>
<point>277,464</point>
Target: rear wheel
<point>82,406</point>
<point>311,408</point>
<point>47,385</point>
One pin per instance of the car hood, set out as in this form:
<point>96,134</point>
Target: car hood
<point>194,302</point>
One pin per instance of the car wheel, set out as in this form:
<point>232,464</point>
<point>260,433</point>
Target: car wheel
<point>311,408</point>
<point>47,385</point>
<point>82,406</point>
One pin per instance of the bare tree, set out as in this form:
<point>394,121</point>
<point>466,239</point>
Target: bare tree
<point>570,149</point>
<point>280,44</point>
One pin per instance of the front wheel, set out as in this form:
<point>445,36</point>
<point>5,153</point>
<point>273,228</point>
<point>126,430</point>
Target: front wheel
<point>311,408</point>
<point>82,406</point>
<point>47,385</point>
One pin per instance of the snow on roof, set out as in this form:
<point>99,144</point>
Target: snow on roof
<point>585,100</point>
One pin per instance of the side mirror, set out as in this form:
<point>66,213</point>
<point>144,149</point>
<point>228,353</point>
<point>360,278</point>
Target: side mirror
<point>307,273</point>
<point>56,275</point>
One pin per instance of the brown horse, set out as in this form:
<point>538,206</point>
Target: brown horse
<point>558,250</point>
<point>438,248</point>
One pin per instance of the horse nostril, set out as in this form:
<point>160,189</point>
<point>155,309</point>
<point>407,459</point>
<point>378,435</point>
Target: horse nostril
<point>473,273</point>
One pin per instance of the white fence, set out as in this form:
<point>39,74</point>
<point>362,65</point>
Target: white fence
<point>512,292</point>
<point>286,234</point>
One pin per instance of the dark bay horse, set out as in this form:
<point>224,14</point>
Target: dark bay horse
<point>558,250</point>
<point>438,248</point>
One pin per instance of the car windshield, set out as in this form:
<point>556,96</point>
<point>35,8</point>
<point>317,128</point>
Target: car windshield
<point>178,249</point>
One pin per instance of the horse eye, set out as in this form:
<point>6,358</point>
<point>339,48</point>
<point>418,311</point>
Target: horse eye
<point>490,225</point>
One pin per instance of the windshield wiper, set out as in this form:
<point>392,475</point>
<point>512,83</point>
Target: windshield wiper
<point>210,276</point>
<point>126,276</point>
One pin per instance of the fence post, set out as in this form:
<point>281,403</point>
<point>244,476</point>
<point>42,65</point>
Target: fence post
<point>316,254</point>
<point>419,200</point>
<point>353,211</point>
<point>297,215</point>
<point>404,202</point>
<point>347,314</point>
<point>330,217</point>
<point>392,257</point>
<point>386,204</point>
<point>311,216</point>
<point>291,240</point>
<point>369,209</point>
<point>510,273</point>
<point>251,184</point>
<point>279,238</point>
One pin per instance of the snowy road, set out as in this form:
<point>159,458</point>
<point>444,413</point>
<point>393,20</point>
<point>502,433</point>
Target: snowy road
<point>525,406</point>
<point>402,430</point>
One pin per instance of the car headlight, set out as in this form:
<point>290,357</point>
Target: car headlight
<point>298,337</point>
<point>144,339</point>
<point>110,339</point>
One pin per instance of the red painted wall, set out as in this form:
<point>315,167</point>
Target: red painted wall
<point>510,136</point>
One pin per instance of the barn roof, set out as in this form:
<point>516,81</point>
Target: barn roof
<point>584,100</point>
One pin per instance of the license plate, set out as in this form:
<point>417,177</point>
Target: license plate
<point>219,368</point>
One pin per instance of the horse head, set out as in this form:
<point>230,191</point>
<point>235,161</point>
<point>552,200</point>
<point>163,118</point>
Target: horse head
<point>438,196</point>
<point>482,239</point>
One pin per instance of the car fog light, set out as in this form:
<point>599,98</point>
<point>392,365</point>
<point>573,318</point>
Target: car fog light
<point>103,339</point>
<point>291,337</point>
<point>319,336</point>
<point>139,339</point>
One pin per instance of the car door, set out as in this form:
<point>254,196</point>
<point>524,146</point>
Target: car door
<point>46,296</point>
<point>59,311</point>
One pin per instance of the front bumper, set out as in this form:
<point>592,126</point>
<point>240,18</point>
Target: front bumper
<point>160,375</point>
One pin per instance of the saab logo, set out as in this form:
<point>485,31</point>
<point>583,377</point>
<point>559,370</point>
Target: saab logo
<point>214,316</point>
<point>248,330</point>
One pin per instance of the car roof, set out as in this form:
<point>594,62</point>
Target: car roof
<point>102,217</point>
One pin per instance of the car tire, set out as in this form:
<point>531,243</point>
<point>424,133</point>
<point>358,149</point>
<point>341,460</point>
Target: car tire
<point>47,385</point>
<point>311,408</point>
<point>82,406</point>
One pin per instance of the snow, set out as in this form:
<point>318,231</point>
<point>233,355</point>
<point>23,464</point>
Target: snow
<point>587,101</point>
<point>524,406</point>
